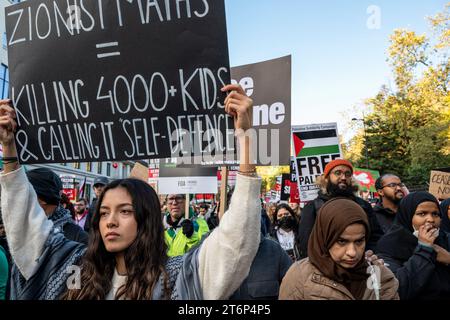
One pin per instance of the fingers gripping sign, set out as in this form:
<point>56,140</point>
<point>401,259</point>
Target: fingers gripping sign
<point>8,123</point>
<point>8,128</point>
<point>239,106</point>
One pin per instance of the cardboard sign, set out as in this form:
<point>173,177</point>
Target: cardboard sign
<point>440,184</point>
<point>118,80</point>
<point>315,146</point>
<point>140,172</point>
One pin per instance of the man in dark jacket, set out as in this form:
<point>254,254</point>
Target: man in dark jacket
<point>390,189</point>
<point>268,269</point>
<point>100,184</point>
<point>48,187</point>
<point>336,181</point>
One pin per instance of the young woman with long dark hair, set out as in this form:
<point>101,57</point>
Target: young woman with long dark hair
<point>126,257</point>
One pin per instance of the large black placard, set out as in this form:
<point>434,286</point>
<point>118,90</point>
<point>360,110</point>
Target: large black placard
<point>99,80</point>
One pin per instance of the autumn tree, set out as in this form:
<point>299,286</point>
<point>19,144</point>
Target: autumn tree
<point>408,127</point>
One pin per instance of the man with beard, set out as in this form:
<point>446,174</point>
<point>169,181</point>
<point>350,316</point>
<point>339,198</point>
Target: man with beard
<point>81,212</point>
<point>390,188</point>
<point>336,181</point>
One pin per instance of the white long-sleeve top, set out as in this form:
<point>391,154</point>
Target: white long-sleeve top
<point>225,256</point>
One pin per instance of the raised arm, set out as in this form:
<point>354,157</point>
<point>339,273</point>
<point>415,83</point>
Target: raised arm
<point>226,255</point>
<point>26,225</point>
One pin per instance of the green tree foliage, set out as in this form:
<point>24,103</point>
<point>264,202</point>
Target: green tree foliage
<point>408,128</point>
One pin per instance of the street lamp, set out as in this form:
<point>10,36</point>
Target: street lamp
<point>365,139</point>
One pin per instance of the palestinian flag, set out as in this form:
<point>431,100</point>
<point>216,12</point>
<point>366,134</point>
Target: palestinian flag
<point>313,143</point>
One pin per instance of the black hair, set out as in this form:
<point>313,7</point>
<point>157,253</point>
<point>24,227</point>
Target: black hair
<point>379,182</point>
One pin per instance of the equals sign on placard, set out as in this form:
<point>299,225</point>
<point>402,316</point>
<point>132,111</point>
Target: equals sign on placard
<point>111,46</point>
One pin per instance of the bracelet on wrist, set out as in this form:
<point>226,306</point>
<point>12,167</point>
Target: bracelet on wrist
<point>9,160</point>
<point>248,173</point>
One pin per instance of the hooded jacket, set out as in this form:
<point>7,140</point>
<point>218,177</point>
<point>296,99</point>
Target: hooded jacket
<point>385,217</point>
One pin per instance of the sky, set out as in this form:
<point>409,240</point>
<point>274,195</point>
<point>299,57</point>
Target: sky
<point>337,60</point>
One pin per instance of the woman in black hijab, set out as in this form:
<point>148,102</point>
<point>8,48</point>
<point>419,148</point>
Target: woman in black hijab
<point>417,250</point>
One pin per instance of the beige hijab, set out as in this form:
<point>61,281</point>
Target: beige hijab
<point>333,218</point>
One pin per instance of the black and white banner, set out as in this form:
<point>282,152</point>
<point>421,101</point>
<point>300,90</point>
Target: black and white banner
<point>104,80</point>
<point>173,180</point>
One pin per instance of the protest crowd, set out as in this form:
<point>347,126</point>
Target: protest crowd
<point>134,242</point>
<point>130,244</point>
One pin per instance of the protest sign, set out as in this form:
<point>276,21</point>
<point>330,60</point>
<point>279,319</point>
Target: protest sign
<point>118,80</point>
<point>153,173</point>
<point>315,146</point>
<point>173,180</point>
<point>140,172</point>
<point>68,184</point>
<point>294,195</point>
<point>268,84</point>
<point>440,184</point>
<point>285,187</point>
<point>366,179</point>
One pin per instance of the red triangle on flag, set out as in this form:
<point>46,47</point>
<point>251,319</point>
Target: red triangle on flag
<point>298,144</point>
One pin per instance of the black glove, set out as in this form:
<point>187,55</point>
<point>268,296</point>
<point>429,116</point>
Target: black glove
<point>188,228</point>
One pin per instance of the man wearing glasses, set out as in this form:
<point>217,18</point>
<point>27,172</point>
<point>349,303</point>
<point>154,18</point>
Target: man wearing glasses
<point>181,234</point>
<point>391,190</point>
<point>336,181</point>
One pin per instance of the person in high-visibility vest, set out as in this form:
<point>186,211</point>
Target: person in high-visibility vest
<point>182,234</point>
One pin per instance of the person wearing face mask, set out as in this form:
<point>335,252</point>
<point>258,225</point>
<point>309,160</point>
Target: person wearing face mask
<point>337,267</point>
<point>417,250</point>
<point>285,229</point>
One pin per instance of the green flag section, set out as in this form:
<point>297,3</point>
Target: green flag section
<point>366,179</point>
<point>306,152</point>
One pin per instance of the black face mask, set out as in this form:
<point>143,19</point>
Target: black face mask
<point>287,223</point>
